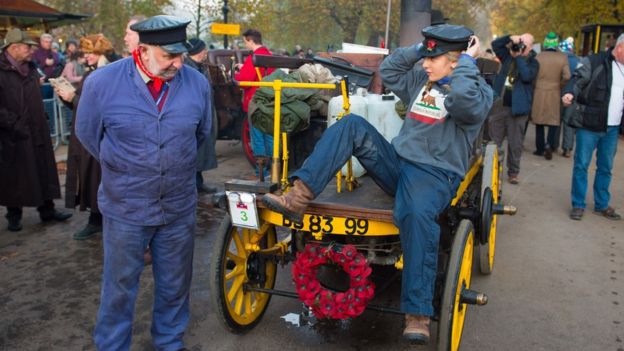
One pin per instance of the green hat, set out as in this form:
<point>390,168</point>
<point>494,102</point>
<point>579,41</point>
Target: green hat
<point>16,36</point>
<point>551,41</point>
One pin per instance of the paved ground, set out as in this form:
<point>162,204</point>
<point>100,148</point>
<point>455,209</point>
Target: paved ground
<point>557,284</point>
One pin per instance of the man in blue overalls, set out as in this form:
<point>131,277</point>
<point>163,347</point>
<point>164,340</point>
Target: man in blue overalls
<point>143,118</point>
<point>425,163</point>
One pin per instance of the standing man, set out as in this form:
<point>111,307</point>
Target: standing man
<point>552,76</point>
<point>143,118</point>
<point>131,39</point>
<point>28,174</point>
<point>513,93</point>
<point>45,58</point>
<point>597,87</point>
<point>261,143</point>
<point>206,155</point>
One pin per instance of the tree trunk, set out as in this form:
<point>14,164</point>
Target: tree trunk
<point>415,15</point>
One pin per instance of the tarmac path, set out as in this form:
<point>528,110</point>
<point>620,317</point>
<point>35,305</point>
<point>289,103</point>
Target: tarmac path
<point>557,284</point>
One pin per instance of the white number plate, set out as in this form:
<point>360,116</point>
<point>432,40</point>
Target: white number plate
<point>243,209</point>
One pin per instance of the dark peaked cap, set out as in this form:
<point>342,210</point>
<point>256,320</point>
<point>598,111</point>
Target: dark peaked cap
<point>442,38</point>
<point>168,32</point>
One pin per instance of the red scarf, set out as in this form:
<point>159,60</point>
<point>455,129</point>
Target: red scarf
<point>157,81</point>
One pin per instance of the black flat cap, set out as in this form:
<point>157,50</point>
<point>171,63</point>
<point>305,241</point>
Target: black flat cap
<point>442,38</point>
<point>197,45</point>
<point>168,32</point>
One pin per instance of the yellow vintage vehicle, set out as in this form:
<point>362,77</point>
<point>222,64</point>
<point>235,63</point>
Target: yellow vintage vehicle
<point>253,240</point>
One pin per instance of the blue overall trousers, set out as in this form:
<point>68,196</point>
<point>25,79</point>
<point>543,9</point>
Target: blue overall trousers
<point>421,193</point>
<point>172,253</point>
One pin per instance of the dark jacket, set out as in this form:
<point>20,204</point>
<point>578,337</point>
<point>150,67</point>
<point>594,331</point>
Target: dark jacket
<point>591,87</point>
<point>28,173</point>
<point>526,68</point>
<point>83,170</point>
<point>206,153</point>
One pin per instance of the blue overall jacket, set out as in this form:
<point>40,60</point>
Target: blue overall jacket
<point>148,157</point>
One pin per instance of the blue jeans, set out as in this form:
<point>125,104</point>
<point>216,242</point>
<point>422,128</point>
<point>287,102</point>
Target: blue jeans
<point>605,144</point>
<point>172,253</point>
<point>261,145</point>
<point>421,193</point>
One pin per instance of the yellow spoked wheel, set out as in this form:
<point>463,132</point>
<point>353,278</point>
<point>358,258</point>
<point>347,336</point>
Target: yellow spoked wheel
<point>458,274</point>
<point>490,197</point>
<point>234,268</point>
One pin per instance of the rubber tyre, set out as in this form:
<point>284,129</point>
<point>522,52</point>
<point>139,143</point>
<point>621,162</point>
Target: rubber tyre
<point>241,311</point>
<point>458,276</point>
<point>490,183</point>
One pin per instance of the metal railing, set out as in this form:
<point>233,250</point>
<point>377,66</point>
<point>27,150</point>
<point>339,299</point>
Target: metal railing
<point>59,116</point>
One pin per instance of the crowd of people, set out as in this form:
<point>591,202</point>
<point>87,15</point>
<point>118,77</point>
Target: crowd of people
<point>141,138</point>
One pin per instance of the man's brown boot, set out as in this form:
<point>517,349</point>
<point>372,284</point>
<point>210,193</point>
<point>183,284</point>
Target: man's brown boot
<point>293,204</point>
<point>416,329</point>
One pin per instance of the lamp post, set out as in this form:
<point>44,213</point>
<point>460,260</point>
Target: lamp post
<point>225,10</point>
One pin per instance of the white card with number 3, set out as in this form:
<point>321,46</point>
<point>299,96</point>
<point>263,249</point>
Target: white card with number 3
<point>243,209</point>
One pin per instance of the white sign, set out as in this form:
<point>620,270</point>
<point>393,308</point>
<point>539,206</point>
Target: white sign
<point>243,209</point>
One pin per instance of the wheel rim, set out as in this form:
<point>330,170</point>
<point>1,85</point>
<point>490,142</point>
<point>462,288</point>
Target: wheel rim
<point>463,282</point>
<point>240,265</point>
<point>495,186</point>
<point>491,179</point>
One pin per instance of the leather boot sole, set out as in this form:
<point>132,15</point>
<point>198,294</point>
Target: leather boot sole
<point>417,338</point>
<point>274,205</point>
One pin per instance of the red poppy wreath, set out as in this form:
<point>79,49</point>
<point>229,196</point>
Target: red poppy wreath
<point>326,303</point>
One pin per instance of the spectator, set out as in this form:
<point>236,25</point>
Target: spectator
<point>46,59</point>
<point>513,91</point>
<point>553,74</point>
<point>261,143</point>
<point>206,156</point>
<point>83,170</point>
<point>309,53</point>
<point>27,166</point>
<point>423,166</point>
<point>598,88</point>
<point>567,47</point>
<point>71,47</point>
<point>75,68</point>
<point>56,48</point>
<point>131,39</point>
<point>142,118</point>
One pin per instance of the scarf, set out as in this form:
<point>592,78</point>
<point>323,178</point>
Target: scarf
<point>158,83</point>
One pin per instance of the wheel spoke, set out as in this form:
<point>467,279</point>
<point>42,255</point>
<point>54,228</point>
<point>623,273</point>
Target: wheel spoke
<point>237,259</point>
<point>239,301</point>
<point>248,303</point>
<point>240,247</point>
<point>237,285</point>
<point>237,271</point>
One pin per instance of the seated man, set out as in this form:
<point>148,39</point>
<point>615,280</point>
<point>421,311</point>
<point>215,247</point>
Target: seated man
<point>425,163</point>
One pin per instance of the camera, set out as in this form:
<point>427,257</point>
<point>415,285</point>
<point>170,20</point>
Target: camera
<point>518,47</point>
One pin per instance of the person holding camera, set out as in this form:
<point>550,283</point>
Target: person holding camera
<point>513,93</point>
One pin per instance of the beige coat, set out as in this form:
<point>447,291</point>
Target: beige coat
<point>554,73</point>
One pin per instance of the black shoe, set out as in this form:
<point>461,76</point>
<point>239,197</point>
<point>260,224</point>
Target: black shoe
<point>548,154</point>
<point>206,189</point>
<point>538,153</point>
<point>15,225</point>
<point>54,215</point>
<point>87,232</point>
<point>577,213</point>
